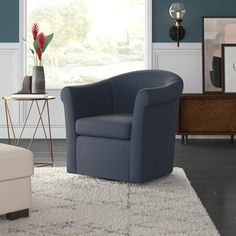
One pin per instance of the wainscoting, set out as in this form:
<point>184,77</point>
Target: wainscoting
<point>185,61</point>
<point>11,74</point>
<point>10,71</point>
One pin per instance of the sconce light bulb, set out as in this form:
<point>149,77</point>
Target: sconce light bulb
<point>177,15</point>
<point>177,10</point>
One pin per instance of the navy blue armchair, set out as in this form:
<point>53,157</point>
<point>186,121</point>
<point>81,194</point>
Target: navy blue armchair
<point>123,128</point>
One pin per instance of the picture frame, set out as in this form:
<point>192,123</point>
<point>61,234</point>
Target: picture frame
<point>228,52</point>
<point>216,31</point>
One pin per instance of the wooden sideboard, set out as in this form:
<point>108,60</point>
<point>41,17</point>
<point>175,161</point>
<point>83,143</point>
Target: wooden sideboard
<point>205,114</point>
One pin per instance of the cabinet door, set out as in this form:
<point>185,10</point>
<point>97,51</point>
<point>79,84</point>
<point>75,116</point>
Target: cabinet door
<point>207,115</point>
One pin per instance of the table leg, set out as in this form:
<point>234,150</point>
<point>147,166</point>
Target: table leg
<point>48,140</point>
<point>26,119</point>
<point>49,130</point>
<point>9,123</point>
<point>6,113</point>
<point>48,136</point>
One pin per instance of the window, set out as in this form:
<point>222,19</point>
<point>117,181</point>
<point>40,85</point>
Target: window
<point>93,39</point>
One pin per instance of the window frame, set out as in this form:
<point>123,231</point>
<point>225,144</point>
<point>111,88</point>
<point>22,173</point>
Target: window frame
<point>23,33</point>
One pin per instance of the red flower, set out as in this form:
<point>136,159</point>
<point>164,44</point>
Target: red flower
<point>39,53</point>
<point>40,43</point>
<point>35,30</point>
<point>41,39</point>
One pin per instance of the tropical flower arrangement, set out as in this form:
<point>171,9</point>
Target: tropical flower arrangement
<point>40,43</point>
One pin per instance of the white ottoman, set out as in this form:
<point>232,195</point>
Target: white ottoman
<point>16,167</point>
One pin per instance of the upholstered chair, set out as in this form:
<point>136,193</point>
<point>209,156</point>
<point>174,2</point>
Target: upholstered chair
<point>123,128</point>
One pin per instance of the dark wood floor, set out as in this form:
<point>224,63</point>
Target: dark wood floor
<point>210,166</point>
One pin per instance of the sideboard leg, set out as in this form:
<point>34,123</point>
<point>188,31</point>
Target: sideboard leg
<point>182,136</point>
<point>232,138</point>
<point>186,139</point>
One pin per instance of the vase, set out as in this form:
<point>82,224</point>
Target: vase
<point>38,80</point>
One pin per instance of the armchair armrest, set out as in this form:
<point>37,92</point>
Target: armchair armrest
<point>158,95</point>
<point>153,130</point>
<point>83,101</point>
<point>88,100</point>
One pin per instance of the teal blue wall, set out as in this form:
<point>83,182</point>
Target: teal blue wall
<point>192,20</point>
<point>9,20</point>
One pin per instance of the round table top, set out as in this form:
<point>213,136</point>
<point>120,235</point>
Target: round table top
<point>28,97</point>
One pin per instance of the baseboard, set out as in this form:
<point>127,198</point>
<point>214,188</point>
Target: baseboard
<point>205,137</point>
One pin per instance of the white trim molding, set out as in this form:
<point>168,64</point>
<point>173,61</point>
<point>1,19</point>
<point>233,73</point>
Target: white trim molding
<point>23,35</point>
<point>9,72</point>
<point>148,34</point>
<point>173,46</point>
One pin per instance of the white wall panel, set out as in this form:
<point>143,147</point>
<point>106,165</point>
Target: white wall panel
<point>9,54</point>
<point>186,61</point>
<point>11,79</point>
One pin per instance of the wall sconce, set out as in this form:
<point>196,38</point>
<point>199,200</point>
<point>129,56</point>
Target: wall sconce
<point>177,11</point>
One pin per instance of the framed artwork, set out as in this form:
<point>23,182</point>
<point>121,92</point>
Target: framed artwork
<point>229,67</point>
<point>216,31</point>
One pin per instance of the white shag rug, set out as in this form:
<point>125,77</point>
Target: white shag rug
<point>67,204</point>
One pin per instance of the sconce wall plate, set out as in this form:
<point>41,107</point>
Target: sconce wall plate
<point>177,33</point>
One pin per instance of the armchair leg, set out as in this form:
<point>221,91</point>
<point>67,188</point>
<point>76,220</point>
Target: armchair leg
<point>17,214</point>
<point>185,139</point>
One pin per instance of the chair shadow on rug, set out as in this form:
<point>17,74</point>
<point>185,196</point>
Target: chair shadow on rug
<point>124,127</point>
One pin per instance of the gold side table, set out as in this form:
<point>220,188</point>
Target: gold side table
<point>34,101</point>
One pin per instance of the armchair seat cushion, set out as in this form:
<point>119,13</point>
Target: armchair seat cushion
<point>117,126</point>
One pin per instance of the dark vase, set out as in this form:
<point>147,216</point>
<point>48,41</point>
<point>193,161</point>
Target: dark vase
<point>38,80</point>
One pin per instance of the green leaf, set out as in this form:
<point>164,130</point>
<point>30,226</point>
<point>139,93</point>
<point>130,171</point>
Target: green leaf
<point>32,50</point>
<point>28,46</point>
<point>36,43</point>
<point>48,39</point>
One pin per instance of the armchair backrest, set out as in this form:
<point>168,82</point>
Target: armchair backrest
<point>125,86</point>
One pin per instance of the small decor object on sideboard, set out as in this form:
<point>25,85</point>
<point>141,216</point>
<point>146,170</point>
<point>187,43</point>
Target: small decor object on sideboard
<point>40,43</point>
